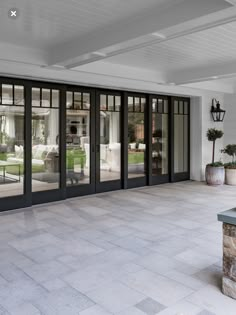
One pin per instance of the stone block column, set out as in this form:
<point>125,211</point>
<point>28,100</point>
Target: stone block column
<point>229,260</point>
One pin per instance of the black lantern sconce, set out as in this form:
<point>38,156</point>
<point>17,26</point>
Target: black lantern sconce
<point>217,113</point>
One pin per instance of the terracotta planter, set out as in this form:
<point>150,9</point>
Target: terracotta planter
<point>215,175</point>
<point>230,176</point>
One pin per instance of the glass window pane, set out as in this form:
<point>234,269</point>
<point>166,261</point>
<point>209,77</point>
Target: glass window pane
<point>160,106</point>
<point>46,98</point>
<point>160,144</point>
<point>45,149</point>
<point>12,149</point>
<point>176,107</point>
<point>137,145</point>
<point>7,94</point>
<point>55,98</point>
<point>86,100</point>
<point>111,102</point>
<point>78,146</point>
<point>110,148</point>
<point>185,108</point>
<point>186,137</point>
<point>19,95</point>
<point>137,105</point>
<point>181,107</point>
<point>178,144</point>
<point>36,97</point>
<point>130,104</point>
<point>117,103</point>
<point>143,103</point>
<point>69,100</point>
<point>166,107</point>
<point>154,105</point>
<point>103,102</point>
<point>77,100</point>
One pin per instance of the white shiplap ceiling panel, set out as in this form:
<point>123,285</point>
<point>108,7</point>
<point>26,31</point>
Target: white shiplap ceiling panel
<point>44,23</point>
<point>212,46</point>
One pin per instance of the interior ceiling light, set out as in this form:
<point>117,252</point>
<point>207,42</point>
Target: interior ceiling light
<point>159,35</point>
<point>215,77</point>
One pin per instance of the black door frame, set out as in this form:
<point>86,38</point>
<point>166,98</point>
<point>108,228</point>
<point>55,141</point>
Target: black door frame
<point>39,197</point>
<point>137,181</point>
<point>63,192</point>
<point>112,184</point>
<point>176,177</point>
<point>86,189</point>
<point>158,179</point>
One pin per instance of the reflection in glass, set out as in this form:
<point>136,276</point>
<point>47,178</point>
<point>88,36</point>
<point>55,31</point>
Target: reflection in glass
<point>78,140</point>
<point>12,148</point>
<point>181,129</point>
<point>137,146</point>
<point>77,100</point>
<point>111,102</point>
<point>45,142</point>
<point>69,100</point>
<point>19,95</point>
<point>55,98</point>
<point>110,148</point>
<point>7,94</point>
<point>159,141</point>
<point>45,98</point>
<point>35,97</point>
<point>130,104</point>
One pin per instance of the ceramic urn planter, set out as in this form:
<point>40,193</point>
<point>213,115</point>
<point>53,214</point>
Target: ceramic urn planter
<point>230,176</point>
<point>215,175</point>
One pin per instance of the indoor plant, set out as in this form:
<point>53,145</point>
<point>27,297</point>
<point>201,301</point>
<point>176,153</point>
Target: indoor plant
<point>215,173</point>
<point>230,168</point>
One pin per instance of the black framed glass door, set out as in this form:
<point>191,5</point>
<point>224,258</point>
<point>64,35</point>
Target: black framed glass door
<point>80,141</point>
<point>108,141</point>
<point>160,144</point>
<point>137,140</point>
<point>180,138</point>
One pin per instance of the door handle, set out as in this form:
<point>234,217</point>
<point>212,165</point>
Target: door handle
<point>98,148</point>
<point>93,148</point>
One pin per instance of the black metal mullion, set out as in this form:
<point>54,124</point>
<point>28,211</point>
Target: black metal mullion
<point>124,140</point>
<point>62,140</point>
<point>149,139</point>
<point>28,144</point>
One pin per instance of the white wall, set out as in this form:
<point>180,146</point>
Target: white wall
<point>201,121</point>
<point>230,121</point>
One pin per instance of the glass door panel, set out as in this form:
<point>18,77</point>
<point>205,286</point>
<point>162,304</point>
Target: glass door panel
<point>45,139</point>
<point>12,140</point>
<point>78,138</point>
<point>110,145</point>
<point>136,137</point>
<point>160,137</point>
<point>181,138</point>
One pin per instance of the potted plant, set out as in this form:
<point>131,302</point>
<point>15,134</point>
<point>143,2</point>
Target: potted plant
<point>215,172</point>
<point>230,168</point>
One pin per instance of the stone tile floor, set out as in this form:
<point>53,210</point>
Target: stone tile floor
<point>152,250</point>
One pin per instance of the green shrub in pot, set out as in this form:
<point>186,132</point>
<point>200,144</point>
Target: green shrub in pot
<point>230,168</point>
<point>215,173</point>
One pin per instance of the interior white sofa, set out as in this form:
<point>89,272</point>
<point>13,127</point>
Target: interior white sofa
<point>39,153</point>
<point>109,156</point>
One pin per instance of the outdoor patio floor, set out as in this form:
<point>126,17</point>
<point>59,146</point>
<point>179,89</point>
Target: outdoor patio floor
<point>151,250</point>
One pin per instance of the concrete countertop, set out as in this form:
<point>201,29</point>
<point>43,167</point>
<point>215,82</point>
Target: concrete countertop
<point>228,216</point>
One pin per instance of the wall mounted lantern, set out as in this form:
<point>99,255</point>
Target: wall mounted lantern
<point>217,113</point>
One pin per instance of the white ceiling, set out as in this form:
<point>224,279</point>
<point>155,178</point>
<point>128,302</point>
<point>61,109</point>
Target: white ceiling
<point>44,23</point>
<point>196,41</point>
<point>209,47</point>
